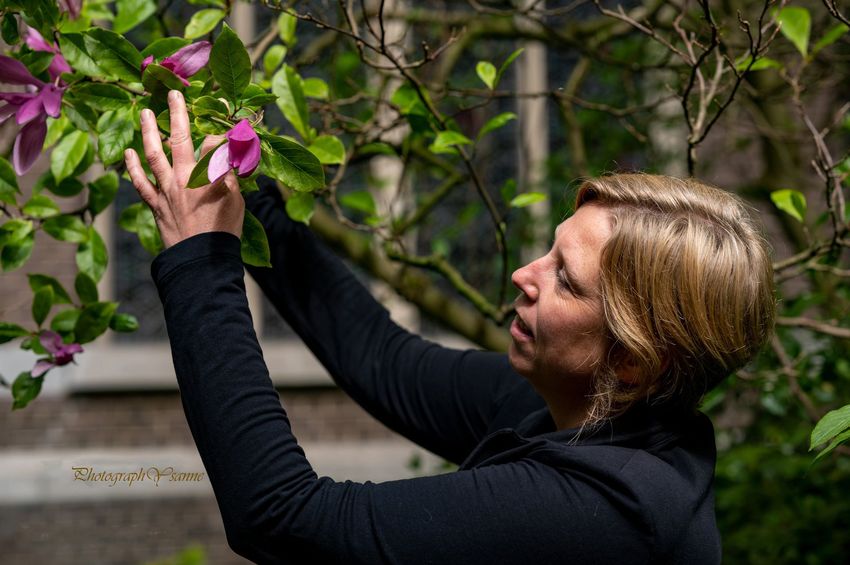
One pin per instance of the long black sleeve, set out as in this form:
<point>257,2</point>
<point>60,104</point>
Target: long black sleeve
<point>442,399</point>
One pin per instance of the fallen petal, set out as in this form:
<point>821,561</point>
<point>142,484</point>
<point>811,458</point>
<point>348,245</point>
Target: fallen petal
<point>41,367</point>
<point>28,145</point>
<point>13,71</point>
<point>219,163</point>
<point>189,60</point>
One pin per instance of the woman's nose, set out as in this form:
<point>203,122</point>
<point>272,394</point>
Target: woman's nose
<point>523,279</point>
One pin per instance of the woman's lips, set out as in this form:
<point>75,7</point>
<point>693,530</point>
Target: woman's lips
<point>520,331</point>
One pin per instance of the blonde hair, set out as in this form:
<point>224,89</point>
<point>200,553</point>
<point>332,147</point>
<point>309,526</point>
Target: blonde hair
<point>687,289</point>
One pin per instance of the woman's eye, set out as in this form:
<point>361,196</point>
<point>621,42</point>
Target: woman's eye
<point>562,280</point>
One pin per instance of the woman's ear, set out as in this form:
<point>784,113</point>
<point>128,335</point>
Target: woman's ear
<point>629,371</point>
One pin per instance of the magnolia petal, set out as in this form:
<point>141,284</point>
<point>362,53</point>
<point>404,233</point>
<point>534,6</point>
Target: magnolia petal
<point>146,61</point>
<point>244,148</point>
<point>6,111</point>
<point>189,60</point>
<point>17,98</point>
<point>41,367</point>
<point>219,163</point>
<point>58,66</point>
<point>28,145</point>
<point>36,42</point>
<point>51,99</point>
<point>30,110</point>
<point>66,353</point>
<point>51,341</point>
<point>73,7</point>
<point>13,71</point>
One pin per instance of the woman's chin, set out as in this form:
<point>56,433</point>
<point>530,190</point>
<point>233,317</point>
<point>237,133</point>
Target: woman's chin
<point>519,362</point>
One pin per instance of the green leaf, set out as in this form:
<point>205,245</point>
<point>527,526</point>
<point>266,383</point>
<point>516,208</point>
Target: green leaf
<point>66,228</point>
<point>114,54</point>
<point>508,191</point>
<point>103,97</point>
<point>255,96</point>
<point>14,255</point>
<point>255,244</point>
<point>131,13</point>
<point>40,206</point>
<point>832,424</point>
<point>360,200</point>
<point>447,140</point>
<point>37,281</point>
<point>836,441</point>
<point>67,188</point>
<point>63,322</point>
<point>792,202</point>
<point>25,389</point>
<point>200,174</point>
<point>831,36</point>
<point>86,288</point>
<point>9,29</point>
<point>495,123</point>
<point>56,129</point>
<point>286,28</point>
<point>272,59</point>
<point>14,231</point>
<point>796,25</point>
<point>316,88</point>
<point>230,64</point>
<point>526,199</point>
<point>164,47</point>
<point>486,71</point>
<point>291,163</point>
<point>408,102</point>
<point>121,322</point>
<point>36,61</point>
<point>68,154</point>
<point>158,81</point>
<point>42,302</point>
<point>73,47</point>
<point>129,217</point>
<point>92,255</point>
<point>300,207</point>
<point>147,231</point>
<point>209,106</point>
<point>504,67</point>
<point>116,134</point>
<point>102,192</point>
<point>328,149</point>
<point>287,86</point>
<point>761,64</point>
<point>8,183</point>
<point>93,321</point>
<point>9,331</point>
<point>203,22</point>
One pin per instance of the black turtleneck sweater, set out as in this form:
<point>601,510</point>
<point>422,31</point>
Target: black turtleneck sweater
<point>636,491</point>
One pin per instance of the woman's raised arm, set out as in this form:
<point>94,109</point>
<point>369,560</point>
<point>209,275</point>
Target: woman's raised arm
<point>445,400</point>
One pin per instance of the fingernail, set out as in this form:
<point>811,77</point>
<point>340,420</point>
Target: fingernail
<point>147,114</point>
<point>174,95</point>
<point>127,154</point>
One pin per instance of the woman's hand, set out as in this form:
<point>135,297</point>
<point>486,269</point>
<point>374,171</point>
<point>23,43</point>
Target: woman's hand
<point>181,213</point>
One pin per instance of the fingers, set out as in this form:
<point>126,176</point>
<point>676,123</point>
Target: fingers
<point>137,175</point>
<point>153,150</point>
<point>182,151</point>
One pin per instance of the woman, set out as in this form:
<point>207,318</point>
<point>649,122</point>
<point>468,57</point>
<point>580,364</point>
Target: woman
<point>582,445</point>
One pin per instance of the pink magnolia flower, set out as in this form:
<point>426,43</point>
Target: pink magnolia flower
<point>73,7</point>
<point>31,110</point>
<point>185,62</point>
<point>60,354</point>
<point>241,151</point>
<point>36,42</point>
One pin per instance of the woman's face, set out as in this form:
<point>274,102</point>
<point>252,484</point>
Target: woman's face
<point>557,339</point>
